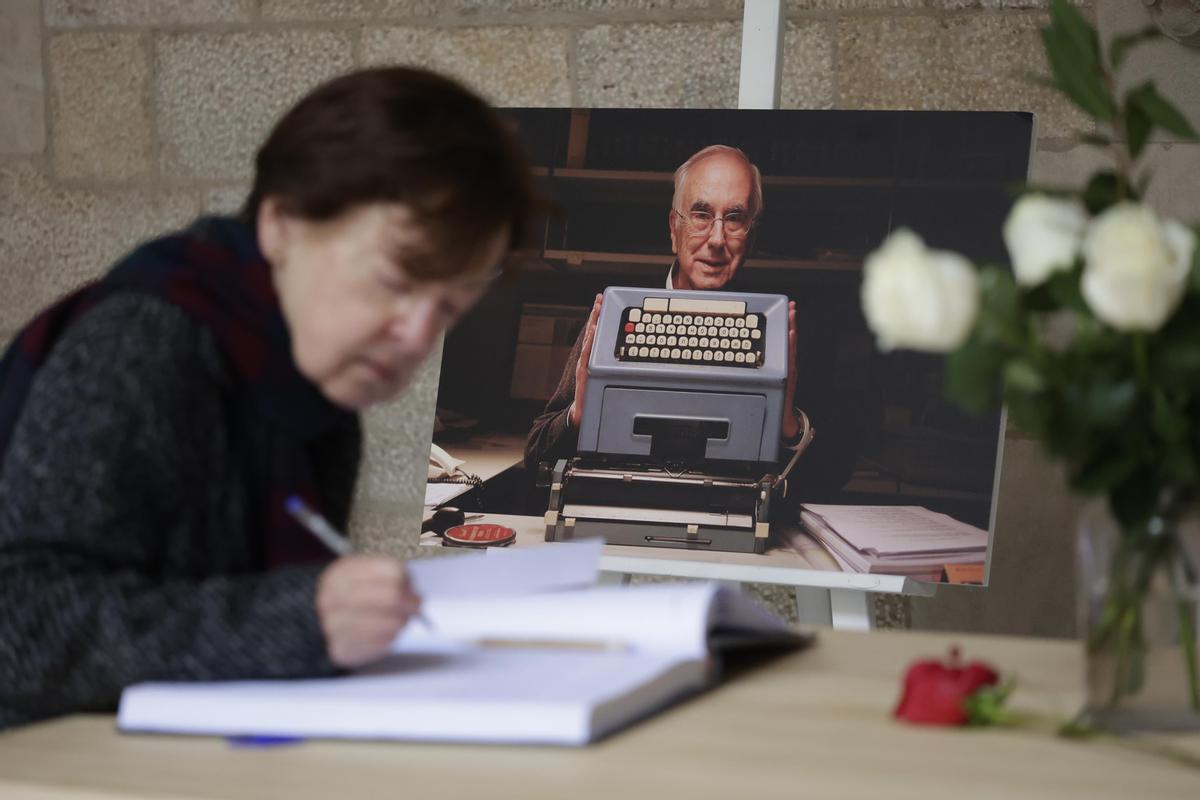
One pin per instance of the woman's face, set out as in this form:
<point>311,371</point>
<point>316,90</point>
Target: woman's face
<point>360,324</point>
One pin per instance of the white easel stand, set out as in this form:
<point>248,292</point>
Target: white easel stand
<point>762,54</point>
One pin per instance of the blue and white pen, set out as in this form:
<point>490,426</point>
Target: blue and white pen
<point>328,535</point>
<point>318,526</point>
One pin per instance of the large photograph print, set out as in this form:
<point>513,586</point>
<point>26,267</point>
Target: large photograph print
<point>682,364</point>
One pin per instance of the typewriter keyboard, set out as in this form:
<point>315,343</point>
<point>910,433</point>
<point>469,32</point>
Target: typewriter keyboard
<point>704,332</point>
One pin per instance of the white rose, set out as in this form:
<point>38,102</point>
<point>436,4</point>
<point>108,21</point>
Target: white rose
<point>1135,267</point>
<point>1043,236</point>
<point>918,298</point>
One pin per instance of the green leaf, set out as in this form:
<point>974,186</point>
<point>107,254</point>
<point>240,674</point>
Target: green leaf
<point>1039,298</point>
<point>1064,289</point>
<point>1000,314</point>
<point>1179,361</point>
<point>1093,344</point>
<point>1169,422</point>
<point>1021,375</point>
<point>1059,291</point>
<point>1176,355</point>
<point>1065,18</point>
<point>1102,191</point>
<point>1106,404</point>
<point>1180,463</point>
<point>1120,45</point>
<point>1064,441</point>
<point>971,374</point>
<point>985,705</point>
<point>1160,111</point>
<point>1073,50</point>
<point>1135,499</point>
<point>1137,128</point>
<point>1077,77</point>
<point>1103,473</point>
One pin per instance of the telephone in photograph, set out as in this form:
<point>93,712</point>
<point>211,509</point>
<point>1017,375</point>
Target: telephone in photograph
<point>444,467</point>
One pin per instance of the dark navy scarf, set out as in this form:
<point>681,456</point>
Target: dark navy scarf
<point>215,273</point>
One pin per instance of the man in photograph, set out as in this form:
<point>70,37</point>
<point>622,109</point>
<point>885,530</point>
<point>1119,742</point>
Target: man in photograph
<point>717,201</point>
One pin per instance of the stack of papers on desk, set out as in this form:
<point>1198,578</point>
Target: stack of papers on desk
<point>515,654</point>
<point>897,540</point>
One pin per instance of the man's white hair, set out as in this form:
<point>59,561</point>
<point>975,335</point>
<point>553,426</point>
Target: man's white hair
<point>756,195</point>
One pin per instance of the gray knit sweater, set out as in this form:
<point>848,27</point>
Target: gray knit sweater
<point>125,551</point>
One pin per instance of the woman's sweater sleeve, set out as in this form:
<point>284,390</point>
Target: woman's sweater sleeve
<point>117,560</point>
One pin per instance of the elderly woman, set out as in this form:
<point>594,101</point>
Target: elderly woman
<point>153,423</point>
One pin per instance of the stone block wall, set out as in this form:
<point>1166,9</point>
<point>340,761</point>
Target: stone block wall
<point>123,118</point>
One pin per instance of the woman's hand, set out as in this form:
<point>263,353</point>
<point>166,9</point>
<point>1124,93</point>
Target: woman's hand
<point>363,602</point>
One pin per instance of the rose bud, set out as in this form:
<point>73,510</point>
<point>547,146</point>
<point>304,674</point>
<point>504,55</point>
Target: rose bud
<point>936,693</point>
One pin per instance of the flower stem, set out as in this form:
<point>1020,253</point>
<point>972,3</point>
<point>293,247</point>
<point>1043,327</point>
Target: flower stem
<point>1124,156</point>
<point>1141,360</point>
<point>1080,728</point>
<point>1187,637</point>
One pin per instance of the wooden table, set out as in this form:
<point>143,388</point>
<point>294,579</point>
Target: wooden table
<point>814,724</point>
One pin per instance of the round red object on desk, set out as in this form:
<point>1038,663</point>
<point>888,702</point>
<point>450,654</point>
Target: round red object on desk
<point>479,535</point>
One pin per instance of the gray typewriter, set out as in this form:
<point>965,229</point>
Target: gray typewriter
<point>679,439</point>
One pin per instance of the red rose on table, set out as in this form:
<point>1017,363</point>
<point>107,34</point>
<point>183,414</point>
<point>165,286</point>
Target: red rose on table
<point>937,693</point>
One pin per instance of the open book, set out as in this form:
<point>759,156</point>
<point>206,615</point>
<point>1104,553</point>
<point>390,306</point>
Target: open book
<point>561,666</point>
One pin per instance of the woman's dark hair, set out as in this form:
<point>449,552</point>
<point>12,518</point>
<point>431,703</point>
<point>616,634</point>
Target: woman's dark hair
<point>398,134</point>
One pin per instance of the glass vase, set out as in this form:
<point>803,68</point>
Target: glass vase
<point>1139,602</point>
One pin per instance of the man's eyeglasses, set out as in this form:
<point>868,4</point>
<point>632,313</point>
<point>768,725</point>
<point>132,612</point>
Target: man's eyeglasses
<point>700,223</point>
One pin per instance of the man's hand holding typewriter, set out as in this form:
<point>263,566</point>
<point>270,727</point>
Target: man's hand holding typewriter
<point>575,414</point>
<point>790,428</point>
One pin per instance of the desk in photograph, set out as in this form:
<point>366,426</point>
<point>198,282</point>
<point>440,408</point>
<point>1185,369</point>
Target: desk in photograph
<point>825,595</point>
<point>812,724</point>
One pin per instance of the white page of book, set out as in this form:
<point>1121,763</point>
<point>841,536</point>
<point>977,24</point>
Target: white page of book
<point>671,618</point>
<point>886,530</point>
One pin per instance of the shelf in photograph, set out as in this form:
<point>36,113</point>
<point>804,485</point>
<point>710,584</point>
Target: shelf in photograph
<point>852,182</point>
<point>613,175</point>
<point>577,258</point>
<point>815,181</point>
